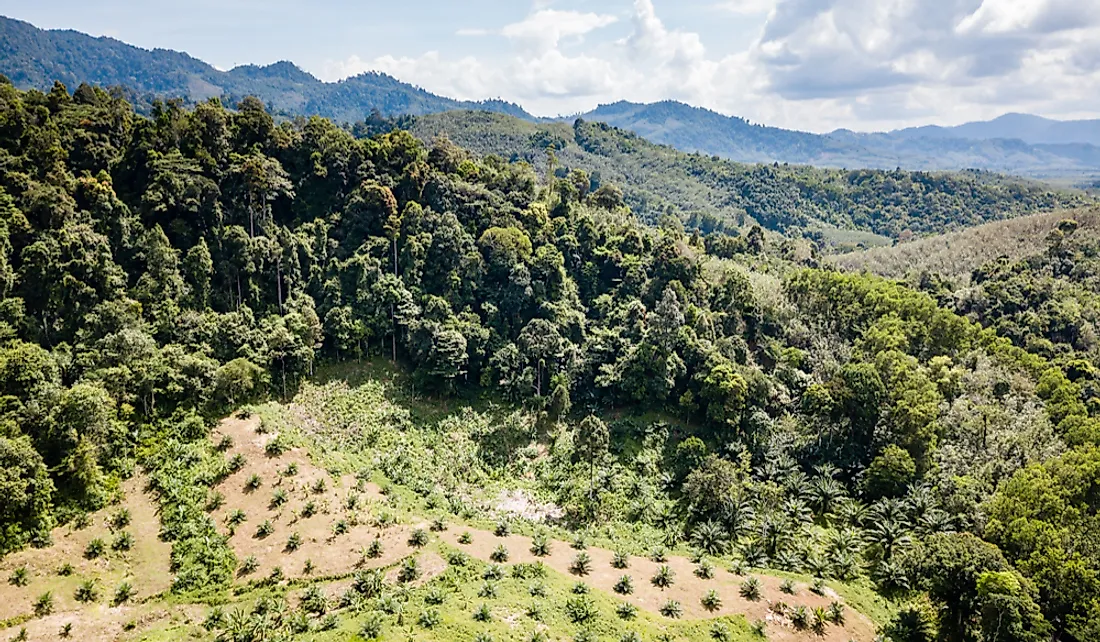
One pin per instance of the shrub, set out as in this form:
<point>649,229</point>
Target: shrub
<point>374,550</point>
<point>580,609</point>
<point>750,589</point>
<point>704,570</point>
<point>787,587</point>
<point>66,630</point>
<point>329,622</point>
<point>276,575</point>
<point>438,525</point>
<point>429,618</point>
<point>290,470</point>
<point>540,545</point>
<point>493,572</point>
<point>235,518</point>
<point>224,444</point>
<point>836,613</point>
<point>293,543</point>
<point>458,558</point>
<point>278,498</point>
<point>248,565</point>
<point>663,578</point>
<point>308,568</point>
<point>123,593</point>
<point>86,592</point>
<point>818,587</point>
<point>584,635</point>
<point>253,482</point>
<point>419,538</point>
<point>65,570</point>
<point>275,447</point>
<point>499,554</point>
<point>503,528</point>
<point>580,588</point>
<point>215,501</point>
<point>483,637</point>
<point>124,541</point>
<point>20,576</point>
<point>487,590</point>
<point>672,609</point>
<point>620,560</point>
<point>434,597</point>
<point>236,462</point>
<point>759,628</point>
<point>538,636</point>
<point>95,548</point>
<point>313,600</point>
<point>818,620</point>
<point>581,565</point>
<point>800,617</point>
<point>537,589</point>
<point>465,538</point>
<point>43,605</point>
<point>534,611</point>
<point>630,636</point>
<point>626,611</point>
<point>340,527</point>
<point>711,601</point>
<point>659,555</point>
<point>264,529</point>
<point>483,614</point>
<point>298,623</point>
<point>720,632</point>
<point>120,519</point>
<point>215,618</point>
<point>369,584</point>
<point>409,571</point>
<point>625,585</point>
<point>319,486</point>
<point>372,628</point>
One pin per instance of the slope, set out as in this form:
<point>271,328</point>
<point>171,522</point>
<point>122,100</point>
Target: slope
<point>710,192</point>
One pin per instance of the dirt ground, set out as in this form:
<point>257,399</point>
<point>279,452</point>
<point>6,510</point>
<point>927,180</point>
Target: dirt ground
<point>145,566</point>
<point>687,588</point>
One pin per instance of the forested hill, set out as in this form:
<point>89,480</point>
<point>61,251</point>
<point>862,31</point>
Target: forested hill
<point>840,205</point>
<point>989,146</point>
<point>35,58</point>
<point>157,273</point>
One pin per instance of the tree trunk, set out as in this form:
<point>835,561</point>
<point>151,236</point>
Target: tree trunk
<point>279,281</point>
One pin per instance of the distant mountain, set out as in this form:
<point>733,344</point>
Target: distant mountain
<point>930,148</point>
<point>1034,130</point>
<point>34,58</point>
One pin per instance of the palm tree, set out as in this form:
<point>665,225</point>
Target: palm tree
<point>737,514</point>
<point>850,512</point>
<point>885,509</point>
<point>797,510</point>
<point>920,500</point>
<point>797,484</point>
<point>887,537</point>
<point>710,537</point>
<point>936,521</point>
<point>826,492</point>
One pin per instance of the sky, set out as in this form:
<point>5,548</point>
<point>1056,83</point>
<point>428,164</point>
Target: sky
<point>814,65</point>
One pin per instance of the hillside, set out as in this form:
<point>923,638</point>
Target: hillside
<point>840,206</point>
<point>35,58</point>
<point>1034,130</point>
<point>373,387</point>
<point>1051,151</point>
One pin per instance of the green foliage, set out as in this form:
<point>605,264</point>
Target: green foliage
<point>672,609</point>
<point>581,564</point>
<point>750,589</point>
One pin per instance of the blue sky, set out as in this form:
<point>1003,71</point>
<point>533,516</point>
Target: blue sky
<point>808,64</point>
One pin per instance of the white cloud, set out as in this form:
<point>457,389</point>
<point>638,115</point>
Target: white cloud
<point>817,64</point>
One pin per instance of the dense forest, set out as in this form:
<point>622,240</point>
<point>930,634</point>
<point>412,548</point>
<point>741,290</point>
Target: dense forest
<point>158,272</point>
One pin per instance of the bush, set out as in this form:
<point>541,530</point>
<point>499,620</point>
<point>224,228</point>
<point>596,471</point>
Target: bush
<point>215,618</point>
<point>787,587</point>
<point>293,543</point>
<point>43,605</point>
<point>248,566</point>
<point>626,611</point>
<point>487,590</point>
<point>672,609</point>
<point>123,593</point>
<point>625,585</point>
<point>95,549</point>
<point>328,623</point>
<point>291,470</point>
<point>620,560</point>
<point>434,597</point>
<point>86,592</point>
<point>580,609</point>
<point>759,628</point>
<point>265,529</point>
<point>438,525</point>
<point>429,618</point>
<point>800,618</point>
<point>534,611</point>
<point>308,568</point>
<point>493,572</point>
<point>503,528</point>
<point>458,558</point>
<point>253,482</point>
<point>372,628</point>
<point>465,538</point>
<point>276,447</point>
<point>818,587</point>
<point>120,519</point>
<point>659,555</point>
<point>581,565</point>
<point>313,600</point>
<point>65,570</point>
<point>663,578</point>
<point>124,541</point>
<point>374,549</point>
<point>711,601</point>
<point>630,636</point>
<point>704,570</point>
<point>537,589</point>
<point>236,462</point>
<point>340,527</point>
<point>483,614</point>
<point>224,444</point>
<point>319,486</point>
<point>309,509</point>
<point>418,538</point>
<point>499,554</point>
<point>750,589</point>
<point>215,501</point>
<point>540,545</point>
<point>278,498</point>
<point>409,571</point>
<point>369,584</point>
<point>836,613</point>
<point>20,576</point>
